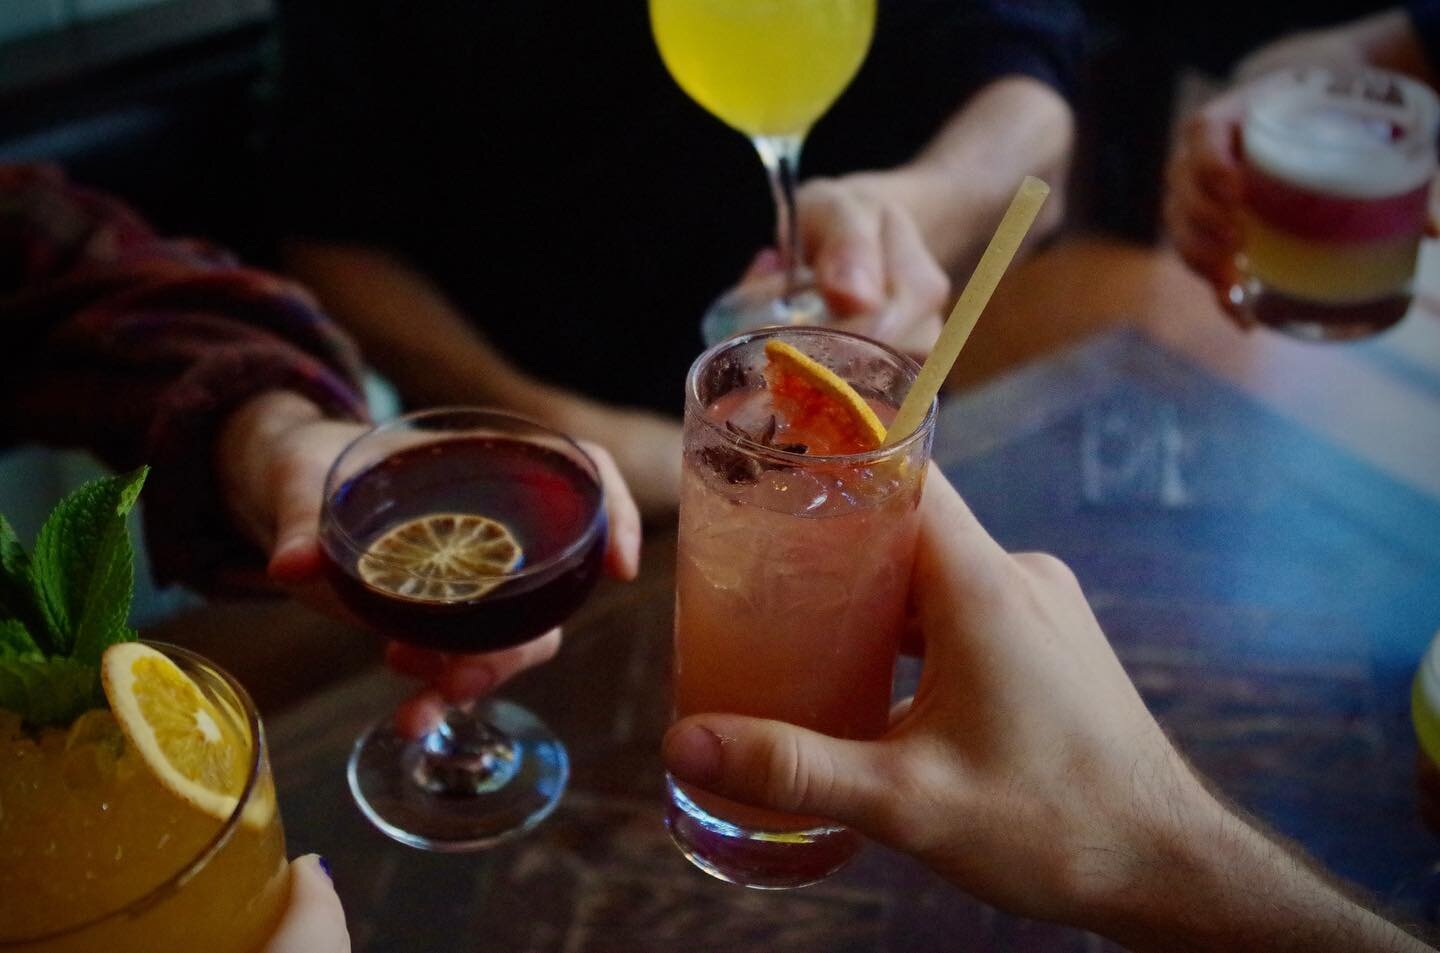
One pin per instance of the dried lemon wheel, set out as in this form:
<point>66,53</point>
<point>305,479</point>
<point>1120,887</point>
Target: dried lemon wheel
<point>441,557</point>
<point>197,747</point>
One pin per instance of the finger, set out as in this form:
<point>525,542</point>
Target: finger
<point>783,767</point>
<point>919,339</point>
<point>299,485</point>
<point>314,921</point>
<point>1186,200</point>
<point>414,661</point>
<point>956,543</point>
<point>468,677</point>
<point>912,639</point>
<point>1212,143</point>
<point>915,284</point>
<point>1209,253</point>
<point>843,236</point>
<point>766,262</point>
<point>622,551</point>
<point>464,677</point>
<point>912,269</point>
<point>900,709</point>
<point>418,715</point>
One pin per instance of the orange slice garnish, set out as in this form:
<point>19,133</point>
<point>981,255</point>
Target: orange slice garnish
<point>818,403</point>
<point>441,557</point>
<point>196,745</point>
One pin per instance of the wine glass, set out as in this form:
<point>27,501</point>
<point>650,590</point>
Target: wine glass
<point>769,70</point>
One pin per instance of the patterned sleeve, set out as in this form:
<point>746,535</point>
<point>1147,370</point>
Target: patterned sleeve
<point>137,348</point>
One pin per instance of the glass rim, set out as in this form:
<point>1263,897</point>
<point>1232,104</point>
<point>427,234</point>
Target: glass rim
<point>176,881</point>
<point>525,570</point>
<point>788,458</point>
<point>1427,112</point>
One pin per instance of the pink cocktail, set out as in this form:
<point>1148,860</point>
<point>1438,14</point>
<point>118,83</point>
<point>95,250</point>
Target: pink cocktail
<point>793,573</point>
<point>1337,176</point>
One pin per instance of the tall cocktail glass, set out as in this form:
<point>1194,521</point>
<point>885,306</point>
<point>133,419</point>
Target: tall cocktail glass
<point>792,581</point>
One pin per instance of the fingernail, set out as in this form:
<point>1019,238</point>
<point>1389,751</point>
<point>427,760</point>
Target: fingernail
<point>325,866</point>
<point>693,754</point>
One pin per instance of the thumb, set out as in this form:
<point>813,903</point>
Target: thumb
<point>314,921</point>
<point>295,556</point>
<point>782,767</point>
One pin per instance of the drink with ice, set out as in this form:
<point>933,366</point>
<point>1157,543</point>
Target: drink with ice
<point>96,853</point>
<point>794,562</point>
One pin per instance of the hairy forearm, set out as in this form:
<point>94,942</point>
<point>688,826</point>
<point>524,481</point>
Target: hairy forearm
<point>966,175</point>
<point>1212,882</point>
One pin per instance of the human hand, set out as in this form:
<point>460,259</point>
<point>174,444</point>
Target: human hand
<point>272,459</point>
<point>1026,769</point>
<point>1203,194</point>
<point>314,921</point>
<point>645,446</point>
<point>870,261</point>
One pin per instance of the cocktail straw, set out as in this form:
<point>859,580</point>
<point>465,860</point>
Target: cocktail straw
<point>987,274</point>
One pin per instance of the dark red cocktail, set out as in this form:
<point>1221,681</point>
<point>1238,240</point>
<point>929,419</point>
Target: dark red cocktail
<point>546,503</point>
<point>464,531</point>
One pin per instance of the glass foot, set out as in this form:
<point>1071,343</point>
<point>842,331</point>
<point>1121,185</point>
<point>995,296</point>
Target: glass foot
<point>762,303</point>
<point>487,774</point>
<point>761,860</point>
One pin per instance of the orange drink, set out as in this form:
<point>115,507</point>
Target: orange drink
<point>797,535</point>
<point>99,851</point>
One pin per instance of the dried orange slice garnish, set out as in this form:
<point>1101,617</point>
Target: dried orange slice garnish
<point>819,403</point>
<point>441,557</point>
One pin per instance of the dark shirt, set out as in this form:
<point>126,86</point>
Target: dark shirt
<point>537,161</point>
<point>1425,15</point>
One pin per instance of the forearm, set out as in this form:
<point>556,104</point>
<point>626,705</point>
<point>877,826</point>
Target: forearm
<point>426,346</point>
<point>408,328</point>
<point>967,174</point>
<point>1208,881</point>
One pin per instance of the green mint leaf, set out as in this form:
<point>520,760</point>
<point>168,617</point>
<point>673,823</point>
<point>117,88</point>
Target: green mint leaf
<point>48,691</point>
<point>18,599</point>
<point>82,567</point>
<point>16,641</point>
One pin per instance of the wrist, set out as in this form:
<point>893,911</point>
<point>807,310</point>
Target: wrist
<point>1178,834</point>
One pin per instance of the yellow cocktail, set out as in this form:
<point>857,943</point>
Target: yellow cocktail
<point>97,852</point>
<point>766,67</point>
<point>769,68</point>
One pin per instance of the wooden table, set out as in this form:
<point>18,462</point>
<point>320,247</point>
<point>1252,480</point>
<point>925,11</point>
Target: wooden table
<point>1257,523</point>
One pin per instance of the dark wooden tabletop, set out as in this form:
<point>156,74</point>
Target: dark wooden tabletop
<point>1268,570</point>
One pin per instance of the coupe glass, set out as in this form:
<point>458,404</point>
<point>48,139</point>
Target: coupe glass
<point>467,479</point>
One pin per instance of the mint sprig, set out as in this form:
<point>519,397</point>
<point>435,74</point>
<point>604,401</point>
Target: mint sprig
<point>61,608</point>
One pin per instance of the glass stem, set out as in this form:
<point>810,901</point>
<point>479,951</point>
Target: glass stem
<point>464,755</point>
<point>781,155</point>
